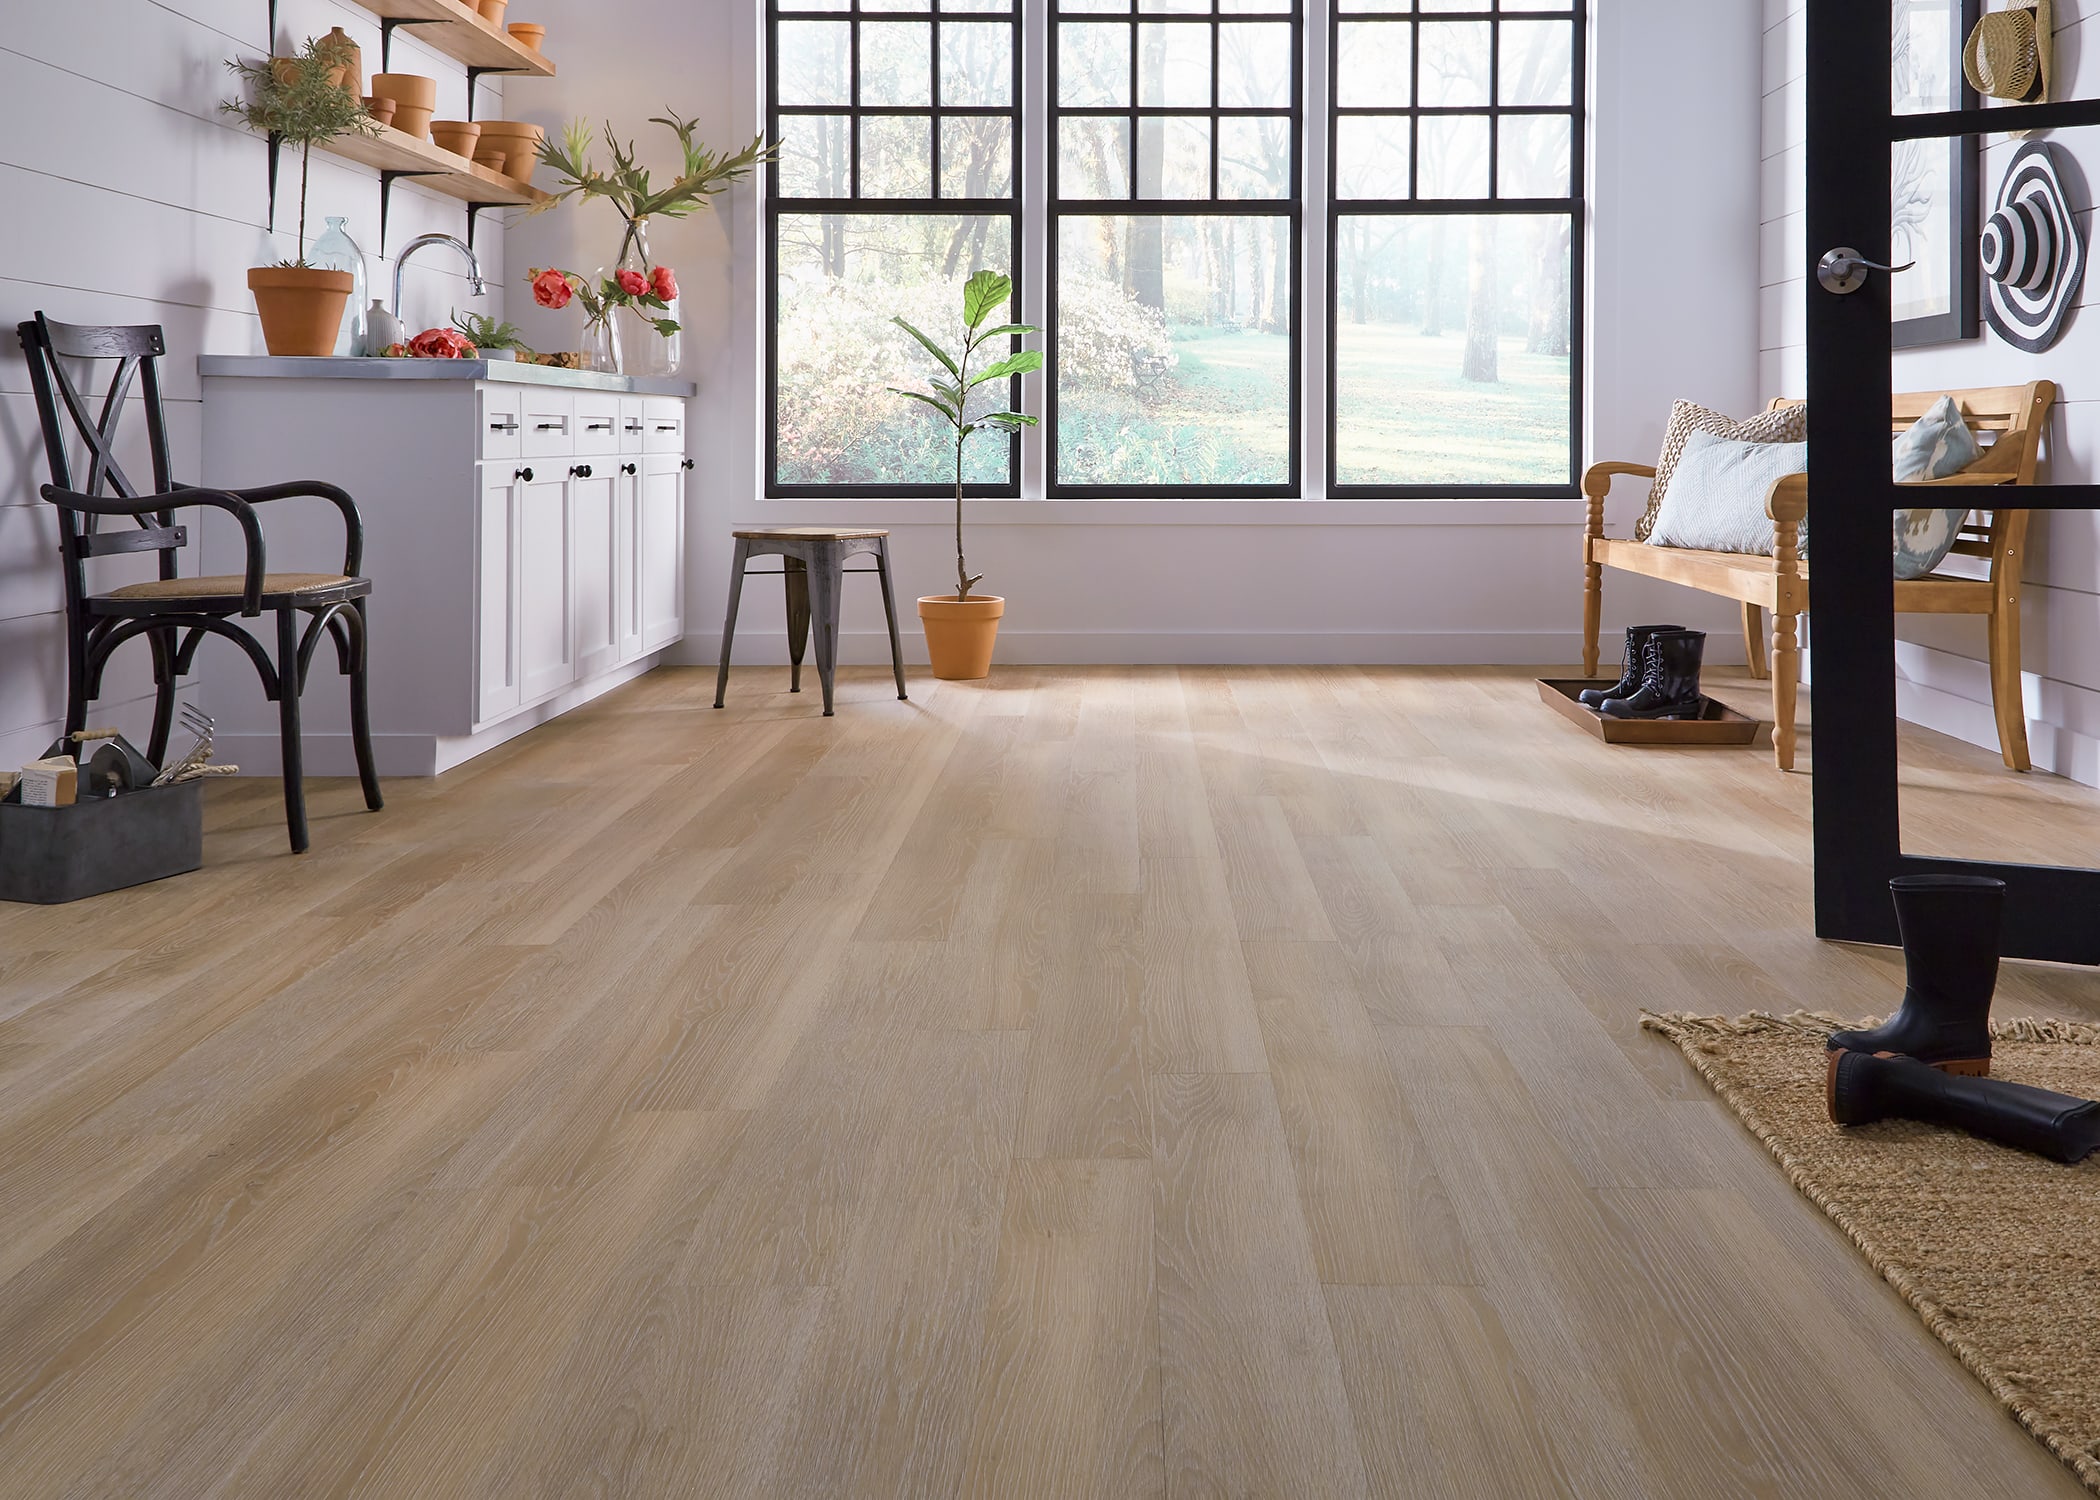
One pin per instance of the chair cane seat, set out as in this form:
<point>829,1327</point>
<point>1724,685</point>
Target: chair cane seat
<point>230,585</point>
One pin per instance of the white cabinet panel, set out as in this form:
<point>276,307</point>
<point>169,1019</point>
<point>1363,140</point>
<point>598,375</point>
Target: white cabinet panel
<point>501,426</point>
<point>627,589</point>
<point>594,551</point>
<point>597,422</point>
<point>550,424</point>
<point>663,422</point>
<point>633,425</point>
<point>546,660</point>
<point>495,610</point>
<point>662,553</point>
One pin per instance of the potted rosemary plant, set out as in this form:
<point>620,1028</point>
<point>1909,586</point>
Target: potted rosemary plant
<point>962,627</point>
<point>300,100</point>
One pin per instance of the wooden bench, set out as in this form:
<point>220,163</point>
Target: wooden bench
<point>2016,414</point>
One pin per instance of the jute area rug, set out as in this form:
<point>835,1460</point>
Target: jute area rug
<point>1998,1251</point>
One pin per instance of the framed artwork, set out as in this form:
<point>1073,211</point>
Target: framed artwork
<point>1933,183</point>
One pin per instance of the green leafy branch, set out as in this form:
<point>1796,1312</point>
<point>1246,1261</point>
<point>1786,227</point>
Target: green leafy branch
<point>629,186</point>
<point>295,99</point>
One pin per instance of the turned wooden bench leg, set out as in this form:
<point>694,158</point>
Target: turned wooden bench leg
<point>1786,678</point>
<point>1754,640</point>
<point>2006,696</point>
<point>1592,611</point>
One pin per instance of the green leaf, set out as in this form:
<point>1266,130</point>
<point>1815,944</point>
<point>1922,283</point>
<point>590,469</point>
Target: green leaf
<point>665,326</point>
<point>931,347</point>
<point>1026,362</point>
<point>943,408</point>
<point>1005,329</point>
<point>1012,421</point>
<point>984,291</point>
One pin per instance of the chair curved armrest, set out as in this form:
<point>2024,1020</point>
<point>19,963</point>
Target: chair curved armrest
<point>1788,500</point>
<point>183,494</point>
<point>1597,478</point>
<point>353,523</point>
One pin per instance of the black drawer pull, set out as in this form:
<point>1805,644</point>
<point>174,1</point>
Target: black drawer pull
<point>524,474</point>
<point>634,427</point>
<point>503,426</point>
<point>551,427</point>
<point>687,464</point>
<point>666,426</point>
<point>597,427</point>
<point>580,471</point>
<point>626,468</point>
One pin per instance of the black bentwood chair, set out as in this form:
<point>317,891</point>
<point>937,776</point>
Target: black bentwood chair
<point>171,612</point>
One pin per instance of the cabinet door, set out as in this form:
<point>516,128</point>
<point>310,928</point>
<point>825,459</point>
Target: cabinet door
<point>546,660</point>
<point>627,588</point>
<point>594,567</point>
<point>662,550</point>
<point>495,595</point>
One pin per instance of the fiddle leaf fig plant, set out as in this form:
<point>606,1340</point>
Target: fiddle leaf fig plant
<point>983,294</point>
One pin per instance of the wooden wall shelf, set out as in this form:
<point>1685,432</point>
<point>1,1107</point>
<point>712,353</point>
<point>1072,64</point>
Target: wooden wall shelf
<point>442,171</point>
<point>458,31</point>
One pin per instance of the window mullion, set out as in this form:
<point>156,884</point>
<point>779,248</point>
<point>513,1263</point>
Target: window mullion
<point>1033,231</point>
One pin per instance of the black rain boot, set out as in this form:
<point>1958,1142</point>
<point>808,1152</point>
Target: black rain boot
<point>1669,679</point>
<point>1629,681</point>
<point>1950,968</point>
<point>1867,1086</point>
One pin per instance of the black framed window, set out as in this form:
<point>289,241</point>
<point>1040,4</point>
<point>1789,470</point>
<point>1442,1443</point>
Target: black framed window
<point>1175,206</point>
<point>899,126</point>
<point>1455,186</point>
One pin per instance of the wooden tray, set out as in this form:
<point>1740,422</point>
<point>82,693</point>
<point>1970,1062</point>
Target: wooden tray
<point>1722,725</point>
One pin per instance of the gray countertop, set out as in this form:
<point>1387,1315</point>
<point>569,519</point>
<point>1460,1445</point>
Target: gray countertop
<point>500,371</point>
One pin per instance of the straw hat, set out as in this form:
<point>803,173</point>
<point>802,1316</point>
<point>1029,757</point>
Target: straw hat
<point>2007,54</point>
<point>2033,251</point>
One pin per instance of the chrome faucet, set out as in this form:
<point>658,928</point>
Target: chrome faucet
<point>474,282</point>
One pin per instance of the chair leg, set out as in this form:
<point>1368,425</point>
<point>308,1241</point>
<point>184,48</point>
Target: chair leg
<point>1786,679</point>
<point>163,643</point>
<point>76,680</point>
<point>361,714</point>
<point>824,580</point>
<point>736,592</point>
<point>288,727</point>
<point>889,610</point>
<point>1754,640</point>
<point>2007,699</point>
<point>795,574</point>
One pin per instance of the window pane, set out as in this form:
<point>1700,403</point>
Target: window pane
<point>1093,157</point>
<point>1451,349</point>
<point>977,63</point>
<point>1093,63</point>
<point>896,160</point>
<point>977,157</point>
<point>1254,65</point>
<point>1455,62</point>
<point>1173,350</point>
<point>1094,7</point>
<point>1174,157</point>
<point>816,156</point>
<point>1371,156</point>
<point>1173,66</point>
<point>1538,62</point>
<point>1002,7</point>
<point>1254,157</point>
<point>893,5</point>
<point>1373,67</point>
<point>1347,6</point>
<point>1533,156</point>
<point>842,278</point>
<point>1166,7</point>
<point>1454,156</point>
<point>894,63</point>
<point>813,59</point>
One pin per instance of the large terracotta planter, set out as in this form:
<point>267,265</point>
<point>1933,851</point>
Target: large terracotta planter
<point>301,307</point>
<point>519,143</point>
<point>460,137</point>
<point>960,634</point>
<point>415,100</point>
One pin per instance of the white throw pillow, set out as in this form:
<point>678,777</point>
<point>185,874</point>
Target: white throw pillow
<point>1717,497</point>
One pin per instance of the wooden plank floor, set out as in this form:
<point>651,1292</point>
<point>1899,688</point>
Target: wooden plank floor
<point>1099,1082</point>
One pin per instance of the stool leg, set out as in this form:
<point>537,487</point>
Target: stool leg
<point>824,580</point>
<point>795,574</point>
<point>736,592</point>
<point>889,608</point>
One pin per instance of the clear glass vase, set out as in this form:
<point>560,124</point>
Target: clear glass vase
<point>648,352</point>
<point>601,344</point>
<point>336,251</point>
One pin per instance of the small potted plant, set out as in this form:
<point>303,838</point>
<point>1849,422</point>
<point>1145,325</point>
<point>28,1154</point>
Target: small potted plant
<point>495,340</point>
<point>961,628</point>
<point>301,100</point>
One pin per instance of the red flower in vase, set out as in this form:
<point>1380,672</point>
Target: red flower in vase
<point>633,283</point>
<point>664,284</point>
<point>550,288</point>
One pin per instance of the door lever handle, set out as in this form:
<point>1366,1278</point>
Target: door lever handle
<point>1844,270</point>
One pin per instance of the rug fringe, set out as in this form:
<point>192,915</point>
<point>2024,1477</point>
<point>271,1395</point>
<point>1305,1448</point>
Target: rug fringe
<point>1693,1036</point>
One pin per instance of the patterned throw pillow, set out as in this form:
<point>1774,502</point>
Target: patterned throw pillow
<point>1789,424</point>
<point>1936,445</point>
<point>1717,503</point>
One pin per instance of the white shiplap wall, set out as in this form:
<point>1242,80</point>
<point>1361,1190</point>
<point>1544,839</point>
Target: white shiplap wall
<point>127,197</point>
<point>1942,678</point>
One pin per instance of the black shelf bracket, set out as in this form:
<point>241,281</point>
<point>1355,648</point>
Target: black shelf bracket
<point>387,27</point>
<point>387,179</point>
<point>276,148</point>
<point>475,75</point>
<point>473,214</point>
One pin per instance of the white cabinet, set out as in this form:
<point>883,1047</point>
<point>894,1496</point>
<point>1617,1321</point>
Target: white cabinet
<point>662,550</point>
<point>496,595</point>
<point>546,654</point>
<point>594,565</point>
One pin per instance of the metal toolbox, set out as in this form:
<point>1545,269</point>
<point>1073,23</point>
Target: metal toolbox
<point>54,854</point>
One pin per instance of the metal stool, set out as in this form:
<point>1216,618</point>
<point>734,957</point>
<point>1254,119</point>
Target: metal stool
<point>812,562</point>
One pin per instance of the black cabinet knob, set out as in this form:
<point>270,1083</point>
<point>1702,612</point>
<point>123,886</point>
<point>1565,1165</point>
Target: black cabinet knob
<point>580,471</point>
<point>626,468</point>
<point>524,474</point>
<point>687,464</point>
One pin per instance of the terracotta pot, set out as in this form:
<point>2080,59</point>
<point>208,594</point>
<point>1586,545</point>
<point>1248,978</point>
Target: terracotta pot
<point>414,96</point>
<point>351,57</point>
<point>492,11</point>
<point>517,141</point>
<point>527,35</point>
<point>457,136</point>
<point>960,634</point>
<point>286,71</point>
<point>379,109</point>
<point>302,308</point>
<point>493,160</point>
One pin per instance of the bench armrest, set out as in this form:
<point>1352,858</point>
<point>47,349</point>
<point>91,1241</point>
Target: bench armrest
<point>1966,479</point>
<point>1596,483</point>
<point>1787,505</point>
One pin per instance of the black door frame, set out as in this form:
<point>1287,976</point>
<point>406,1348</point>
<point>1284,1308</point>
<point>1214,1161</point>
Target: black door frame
<point>2051,912</point>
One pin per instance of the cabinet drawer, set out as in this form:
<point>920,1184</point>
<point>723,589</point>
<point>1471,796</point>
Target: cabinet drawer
<point>550,424</point>
<point>664,421</point>
<point>597,423</point>
<point>501,424</point>
<point>633,425</point>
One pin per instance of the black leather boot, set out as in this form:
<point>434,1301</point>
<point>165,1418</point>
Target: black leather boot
<point>1950,965</point>
<point>1629,681</point>
<point>1669,679</point>
<point>1867,1086</point>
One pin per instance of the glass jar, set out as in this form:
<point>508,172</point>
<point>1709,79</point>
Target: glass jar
<point>336,251</point>
<point>647,351</point>
<point>601,343</point>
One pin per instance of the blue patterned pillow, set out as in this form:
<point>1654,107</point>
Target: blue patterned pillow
<point>1937,444</point>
